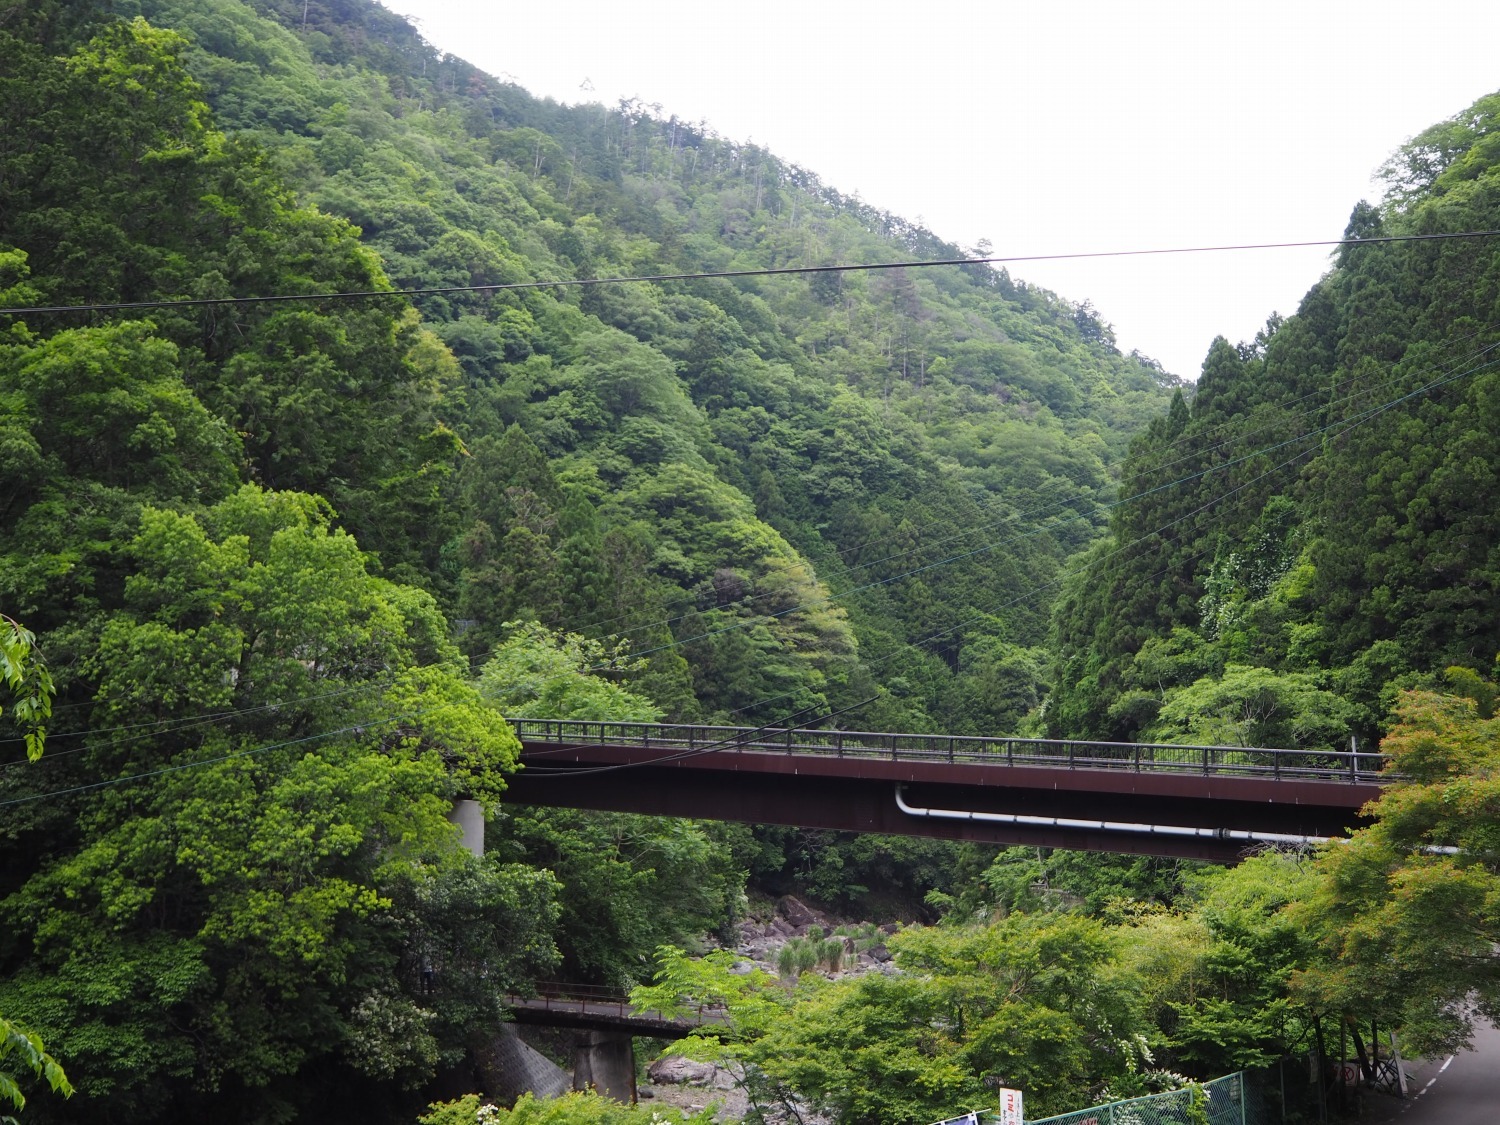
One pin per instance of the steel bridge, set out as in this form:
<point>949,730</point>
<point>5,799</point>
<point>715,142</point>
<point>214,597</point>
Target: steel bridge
<point>1196,802</point>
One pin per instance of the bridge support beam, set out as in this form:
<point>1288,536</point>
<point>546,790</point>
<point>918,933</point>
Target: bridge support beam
<point>605,1061</point>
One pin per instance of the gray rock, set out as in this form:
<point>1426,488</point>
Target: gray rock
<point>674,1070</point>
<point>796,912</point>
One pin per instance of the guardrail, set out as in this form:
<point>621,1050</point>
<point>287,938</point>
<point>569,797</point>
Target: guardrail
<point>692,740</point>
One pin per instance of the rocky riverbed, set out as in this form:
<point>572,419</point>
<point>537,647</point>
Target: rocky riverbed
<point>690,1086</point>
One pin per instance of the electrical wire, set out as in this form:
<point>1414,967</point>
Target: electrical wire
<point>352,728</point>
<point>173,726</point>
<point>179,723</point>
<point>706,275</point>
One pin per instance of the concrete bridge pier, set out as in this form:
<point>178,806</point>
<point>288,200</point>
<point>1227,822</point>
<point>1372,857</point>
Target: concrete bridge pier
<point>605,1061</point>
<point>469,817</point>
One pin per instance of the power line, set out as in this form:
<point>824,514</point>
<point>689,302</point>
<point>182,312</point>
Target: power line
<point>564,283</point>
<point>153,727</point>
<point>353,728</point>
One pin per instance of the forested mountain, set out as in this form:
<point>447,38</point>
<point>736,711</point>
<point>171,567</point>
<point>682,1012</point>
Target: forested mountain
<point>717,459</point>
<point>1318,530</point>
<point>288,561</point>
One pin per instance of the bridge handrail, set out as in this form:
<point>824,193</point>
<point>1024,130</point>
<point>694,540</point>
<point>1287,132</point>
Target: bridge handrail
<point>1140,757</point>
<point>589,999</point>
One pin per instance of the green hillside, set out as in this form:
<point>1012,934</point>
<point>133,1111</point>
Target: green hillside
<point>1318,530</point>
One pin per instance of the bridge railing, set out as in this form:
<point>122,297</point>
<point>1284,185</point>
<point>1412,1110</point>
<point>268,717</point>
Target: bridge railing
<point>681,740</point>
<point>594,1000</point>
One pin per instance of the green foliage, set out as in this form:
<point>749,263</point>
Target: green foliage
<point>1250,706</point>
<point>264,903</point>
<point>536,674</point>
<point>17,1045</point>
<point>26,677</point>
<point>929,403</point>
<point>237,529</point>
<point>29,684</point>
<point>1046,879</point>
<point>1238,1014</point>
<point>586,1108</point>
<point>627,883</point>
<point>1030,1001</point>
<point>802,955</point>
<point>1408,911</point>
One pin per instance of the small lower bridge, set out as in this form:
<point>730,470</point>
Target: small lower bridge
<point>606,1025</point>
<point>1196,802</point>
<point>594,1008</point>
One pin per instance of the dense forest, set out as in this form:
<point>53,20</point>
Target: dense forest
<point>272,572</point>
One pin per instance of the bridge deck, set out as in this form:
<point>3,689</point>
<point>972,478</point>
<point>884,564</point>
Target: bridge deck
<point>1201,801</point>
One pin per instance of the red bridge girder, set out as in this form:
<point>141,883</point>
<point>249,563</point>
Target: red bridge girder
<point>859,794</point>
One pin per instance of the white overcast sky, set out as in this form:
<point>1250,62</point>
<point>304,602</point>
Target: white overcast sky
<point>1045,127</point>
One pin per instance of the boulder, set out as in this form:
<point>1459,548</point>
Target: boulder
<point>674,1070</point>
<point>797,913</point>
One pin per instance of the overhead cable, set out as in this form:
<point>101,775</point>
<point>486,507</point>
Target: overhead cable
<point>707,275</point>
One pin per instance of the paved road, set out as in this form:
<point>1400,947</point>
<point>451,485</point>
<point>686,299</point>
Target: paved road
<point>1462,1089</point>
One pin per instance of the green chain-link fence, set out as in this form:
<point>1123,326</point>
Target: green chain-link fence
<point>1224,1101</point>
